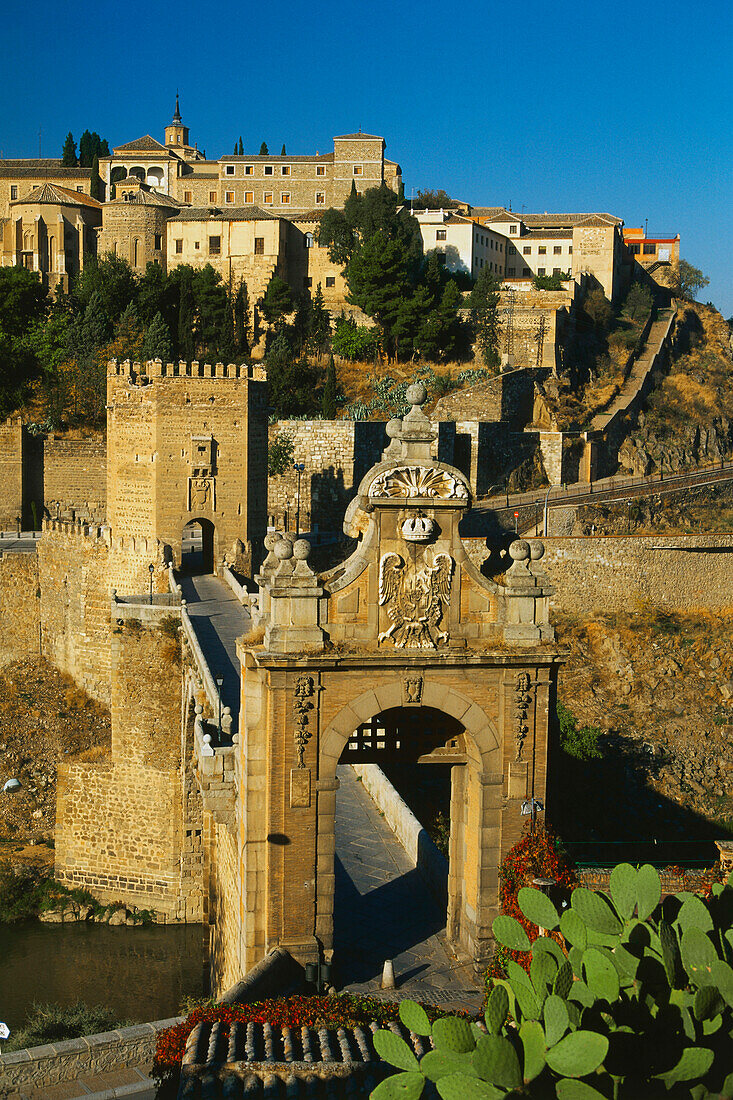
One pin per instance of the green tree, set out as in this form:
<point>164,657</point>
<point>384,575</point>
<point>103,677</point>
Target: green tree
<point>352,341</point>
<point>128,333</point>
<point>103,148</point>
<point>68,153</point>
<point>96,189</point>
<point>157,293</point>
<point>157,342</point>
<point>23,300</point>
<point>240,308</point>
<point>550,282</point>
<point>484,305</point>
<point>186,315</point>
<point>282,151</point>
<point>599,309</point>
<point>335,234</point>
<point>638,302</point>
<point>330,388</point>
<point>214,325</point>
<point>377,277</point>
<point>240,148</point>
<point>280,454</point>
<point>293,383</point>
<point>112,278</point>
<point>320,323</point>
<point>302,321</point>
<point>264,151</point>
<point>433,200</point>
<point>690,280</point>
<point>277,302</point>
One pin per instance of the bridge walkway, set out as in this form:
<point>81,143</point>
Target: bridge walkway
<point>218,619</point>
<point>384,910</point>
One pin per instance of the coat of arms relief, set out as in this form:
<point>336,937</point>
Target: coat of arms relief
<point>415,594</point>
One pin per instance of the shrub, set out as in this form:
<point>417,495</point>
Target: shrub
<point>280,454</point>
<point>581,743</point>
<point>53,1023</point>
<point>21,890</point>
<point>635,1001</point>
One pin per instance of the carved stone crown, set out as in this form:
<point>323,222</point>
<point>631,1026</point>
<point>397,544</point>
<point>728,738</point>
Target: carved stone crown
<point>418,529</point>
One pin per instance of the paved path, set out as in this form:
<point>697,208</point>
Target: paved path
<point>384,910</point>
<point>218,619</point>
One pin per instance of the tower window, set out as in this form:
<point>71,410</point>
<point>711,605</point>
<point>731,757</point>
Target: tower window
<point>229,169</point>
<point>259,246</point>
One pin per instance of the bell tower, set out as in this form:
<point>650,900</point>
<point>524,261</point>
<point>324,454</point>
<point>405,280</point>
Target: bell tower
<point>176,134</point>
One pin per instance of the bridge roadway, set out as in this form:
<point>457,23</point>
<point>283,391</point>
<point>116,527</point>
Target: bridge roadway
<point>218,619</point>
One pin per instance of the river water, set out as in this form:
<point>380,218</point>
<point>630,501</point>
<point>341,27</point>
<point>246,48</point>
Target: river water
<point>141,973</point>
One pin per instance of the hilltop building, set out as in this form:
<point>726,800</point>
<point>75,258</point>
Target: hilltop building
<point>50,231</point>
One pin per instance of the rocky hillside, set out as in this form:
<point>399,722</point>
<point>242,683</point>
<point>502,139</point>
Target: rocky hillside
<point>686,512</point>
<point>688,419</point>
<point>658,688</point>
<point>44,718</point>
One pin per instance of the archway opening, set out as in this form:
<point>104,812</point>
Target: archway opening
<point>197,547</point>
<point>155,177</point>
<point>392,889</point>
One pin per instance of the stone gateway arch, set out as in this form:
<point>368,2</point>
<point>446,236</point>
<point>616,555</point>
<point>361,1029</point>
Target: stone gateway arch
<point>406,621</point>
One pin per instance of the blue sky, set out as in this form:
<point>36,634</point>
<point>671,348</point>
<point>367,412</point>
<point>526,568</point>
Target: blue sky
<point>621,107</point>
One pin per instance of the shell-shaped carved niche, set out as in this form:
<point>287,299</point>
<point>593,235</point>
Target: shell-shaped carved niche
<point>418,481</point>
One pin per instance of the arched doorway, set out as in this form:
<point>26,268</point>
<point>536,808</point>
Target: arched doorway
<point>197,547</point>
<point>391,887</point>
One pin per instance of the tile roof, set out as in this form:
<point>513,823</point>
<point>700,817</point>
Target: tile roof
<point>547,234</point>
<point>268,158</point>
<point>21,168</point>
<point>488,211</point>
<point>144,196</point>
<point>557,221</point>
<point>144,144</point>
<point>59,196</point>
<point>308,216</point>
<point>224,214</point>
<point>353,137</point>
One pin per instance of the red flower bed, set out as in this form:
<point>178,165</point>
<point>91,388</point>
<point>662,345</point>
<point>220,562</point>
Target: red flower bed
<point>294,1012</point>
<point>536,855</point>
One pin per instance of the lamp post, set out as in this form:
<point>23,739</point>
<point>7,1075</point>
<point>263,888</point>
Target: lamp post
<point>545,510</point>
<point>151,570</point>
<point>219,680</point>
<point>17,524</point>
<point>299,467</point>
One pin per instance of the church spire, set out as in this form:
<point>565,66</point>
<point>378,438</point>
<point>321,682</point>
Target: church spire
<point>177,112</point>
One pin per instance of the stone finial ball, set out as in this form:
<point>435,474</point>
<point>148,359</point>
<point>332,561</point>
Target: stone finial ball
<point>519,550</point>
<point>416,394</point>
<point>284,549</point>
<point>536,549</point>
<point>272,540</point>
<point>301,549</point>
<point>393,428</point>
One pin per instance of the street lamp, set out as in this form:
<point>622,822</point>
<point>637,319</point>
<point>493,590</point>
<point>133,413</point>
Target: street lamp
<point>151,570</point>
<point>219,680</point>
<point>299,467</point>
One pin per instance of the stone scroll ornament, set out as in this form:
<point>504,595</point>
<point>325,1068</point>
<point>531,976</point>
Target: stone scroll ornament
<point>302,706</point>
<point>414,597</point>
<point>523,702</point>
<point>417,481</point>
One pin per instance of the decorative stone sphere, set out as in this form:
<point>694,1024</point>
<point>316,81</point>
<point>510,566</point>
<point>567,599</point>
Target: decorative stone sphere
<point>284,549</point>
<point>536,549</point>
<point>394,427</point>
<point>519,550</point>
<point>271,540</point>
<point>416,394</point>
<point>301,549</point>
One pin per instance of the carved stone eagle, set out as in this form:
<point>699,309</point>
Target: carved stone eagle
<point>414,597</point>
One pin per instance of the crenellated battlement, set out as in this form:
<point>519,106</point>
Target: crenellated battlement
<point>131,545</point>
<point>142,374</point>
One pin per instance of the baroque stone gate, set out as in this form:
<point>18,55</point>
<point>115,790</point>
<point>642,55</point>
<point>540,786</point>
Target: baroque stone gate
<point>407,621</point>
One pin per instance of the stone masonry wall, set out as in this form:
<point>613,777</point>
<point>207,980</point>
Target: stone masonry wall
<point>120,828</point>
<point>19,606</point>
<point>616,573</point>
<point>11,473</point>
<point>78,568</point>
<point>75,478</point>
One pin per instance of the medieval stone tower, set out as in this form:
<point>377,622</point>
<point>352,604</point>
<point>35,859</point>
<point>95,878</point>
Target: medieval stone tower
<point>187,446</point>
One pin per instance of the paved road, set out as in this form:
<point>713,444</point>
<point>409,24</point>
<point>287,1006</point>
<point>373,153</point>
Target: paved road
<point>218,619</point>
<point>10,543</point>
<point>383,909</point>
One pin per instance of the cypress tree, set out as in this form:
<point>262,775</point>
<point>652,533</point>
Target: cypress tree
<point>103,148</point>
<point>241,146</point>
<point>95,189</point>
<point>186,345</point>
<point>85,150</point>
<point>320,322</point>
<point>282,151</point>
<point>328,398</point>
<point>264,151</point>
<point>68,155</point>
<point>157,342</point>
<point>235,149</point>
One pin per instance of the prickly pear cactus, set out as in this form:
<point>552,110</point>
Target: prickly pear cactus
<point>639,1004</point>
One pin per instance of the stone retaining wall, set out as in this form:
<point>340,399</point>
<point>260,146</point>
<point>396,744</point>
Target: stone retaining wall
<point>19,606</point>
<point>432,864</point>
<point>54,1063</point>
<point>75,477</point>
<point>617,572</point>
